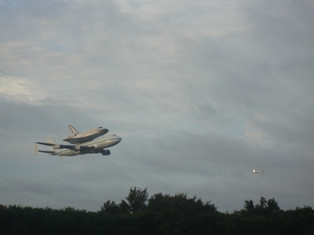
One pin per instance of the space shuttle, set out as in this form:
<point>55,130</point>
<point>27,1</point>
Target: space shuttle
<point>76,137</point>
<point>257,171</point>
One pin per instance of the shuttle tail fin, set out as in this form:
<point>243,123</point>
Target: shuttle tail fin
<point>73,130</point>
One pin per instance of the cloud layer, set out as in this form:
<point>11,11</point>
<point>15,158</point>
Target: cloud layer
<point>201,93</point>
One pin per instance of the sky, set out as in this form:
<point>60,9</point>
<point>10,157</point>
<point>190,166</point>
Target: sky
<point>201,92</point>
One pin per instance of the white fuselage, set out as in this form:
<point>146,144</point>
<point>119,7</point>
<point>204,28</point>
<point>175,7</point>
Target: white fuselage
<point>96,146</point>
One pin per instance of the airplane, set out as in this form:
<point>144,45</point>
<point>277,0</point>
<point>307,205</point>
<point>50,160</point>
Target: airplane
<point>98,145</point>
<point>257,171</point>
<point>75,137</point>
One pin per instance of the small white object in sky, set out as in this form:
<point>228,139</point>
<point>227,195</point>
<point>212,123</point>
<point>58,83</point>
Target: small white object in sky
<point>257,171</point>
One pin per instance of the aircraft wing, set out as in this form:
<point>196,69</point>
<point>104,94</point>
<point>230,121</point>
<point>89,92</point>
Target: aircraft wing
<point>43,151</point>
<point>57,146</point>
<point>48,144</point>
<point>65,146</point>
<point>86,148</point>
<point>75,147</point>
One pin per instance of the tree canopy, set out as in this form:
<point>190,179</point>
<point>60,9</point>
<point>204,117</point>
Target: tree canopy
<point>158,214</point>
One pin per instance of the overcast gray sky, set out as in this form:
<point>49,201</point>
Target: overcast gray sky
<point>201,92</point>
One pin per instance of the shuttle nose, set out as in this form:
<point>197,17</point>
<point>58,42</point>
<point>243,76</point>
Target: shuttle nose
<point>104,130</point>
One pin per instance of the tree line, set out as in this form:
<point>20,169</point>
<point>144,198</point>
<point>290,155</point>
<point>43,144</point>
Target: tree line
<point>159,214</point>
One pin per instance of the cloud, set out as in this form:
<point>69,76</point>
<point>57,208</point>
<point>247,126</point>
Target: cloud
<point>20,90</point>
<point>200,92</point>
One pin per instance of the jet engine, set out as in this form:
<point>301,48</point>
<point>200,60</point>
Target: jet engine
<point>105,152</point>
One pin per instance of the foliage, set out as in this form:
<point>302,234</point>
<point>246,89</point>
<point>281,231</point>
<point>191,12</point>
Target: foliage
<point>159,214</point>
<point>269,206</point>
<point>137,199</point>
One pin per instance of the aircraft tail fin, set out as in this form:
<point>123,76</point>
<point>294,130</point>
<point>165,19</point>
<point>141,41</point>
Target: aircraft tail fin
<point>52,152</point>
<point>52,141</point>
<point>73,130</point>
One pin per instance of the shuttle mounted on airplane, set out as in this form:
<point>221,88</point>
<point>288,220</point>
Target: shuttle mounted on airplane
<point>82,143</point>
<point>98,145</point>
<point>76,137</point>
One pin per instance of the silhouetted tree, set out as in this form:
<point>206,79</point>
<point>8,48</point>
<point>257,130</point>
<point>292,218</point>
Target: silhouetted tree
<point>272,206</point>
<point>180,214</point>
<point>124,207</point>
<point>164,214</point>
<point>110,207</point>
<point>137,199</point>
<point>249,205</point>
<point>265,207</point>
